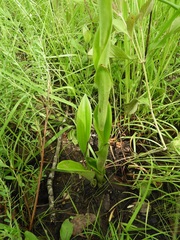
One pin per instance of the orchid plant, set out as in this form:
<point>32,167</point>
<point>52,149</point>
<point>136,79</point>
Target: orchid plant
<point>94,170</point>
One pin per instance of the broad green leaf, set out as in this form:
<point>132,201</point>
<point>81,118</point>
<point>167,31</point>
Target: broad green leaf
<point>131,107</point>
<point>146,9</point>
<point>175,26</point>
<point>96,49</point>
<point>83,123</point>
<point>105,20</point>
<point>104,135</point>
<point>72,136</point>
<point>90,52</point>
<point>92,163</point>
<point>100,52</point>
<point>131,20</point>
<point>29,236</point>
<point>86,34</point>
<point>175,144</point>
<point>101,46</point>
<point>143,100</point>
<point>103,82</point>
<point>108,124</point>
<point>66,230</point>
<point>70,166</point>
<point>120,26</point>
<point>102,157</point>
<point>96,125</point>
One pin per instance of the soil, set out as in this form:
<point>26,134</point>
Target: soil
<point>77,200</point>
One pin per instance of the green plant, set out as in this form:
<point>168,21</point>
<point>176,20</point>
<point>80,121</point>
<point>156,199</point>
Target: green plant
<point>142,78</point>
<point>9,227</point>
<point>66,230</point>
<point>27,78</point>
<point>43,53</point>
<point>29,236</point>
<point>102,113</point>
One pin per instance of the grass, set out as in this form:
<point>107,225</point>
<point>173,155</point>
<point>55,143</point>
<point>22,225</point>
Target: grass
<point>45,71</point>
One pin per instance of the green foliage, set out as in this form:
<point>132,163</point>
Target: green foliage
<point>102,113</point>
<point>41,69</point>
<point>70,166</point>
<point>66,230</point>
<point>44,63</point>
<point>83,123</point>
<point>146,9</point>
<point>175,144</point>
<point>103,136</point>
<point>103,82</point>
<point>171,4</point>
<point>131,107</point>
<point>87,34</point>
<point>29,236</point>
<point>101,47</point>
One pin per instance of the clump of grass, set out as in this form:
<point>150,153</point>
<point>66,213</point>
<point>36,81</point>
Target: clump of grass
<point>143,75</point>
<point>41,68</point>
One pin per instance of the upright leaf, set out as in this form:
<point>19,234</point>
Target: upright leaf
<point>146,9</point>
<point>131,20</point>
<point>175,26</point>
<point>29,236</point>
<point>131,107</point>
<point>96,49</point>
<point>101,47</point>
<point>103,82</point>
<point>105,20</point>
<point>175,144</point>
<point>83,123</point>
<point>86,34</point>
<point>103,136</point>
<point>120,26</point>
<point>66,230</point>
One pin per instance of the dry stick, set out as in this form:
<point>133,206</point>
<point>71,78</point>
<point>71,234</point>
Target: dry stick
<point>50,182</point>
<point>41,168</point>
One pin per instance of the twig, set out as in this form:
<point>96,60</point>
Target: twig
<point>41,168</point>
<point>50,181</point>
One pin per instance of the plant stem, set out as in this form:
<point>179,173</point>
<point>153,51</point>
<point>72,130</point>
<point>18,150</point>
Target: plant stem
<point>41,168</point>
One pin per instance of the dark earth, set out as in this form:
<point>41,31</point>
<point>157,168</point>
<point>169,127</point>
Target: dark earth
<point>83,204</point>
